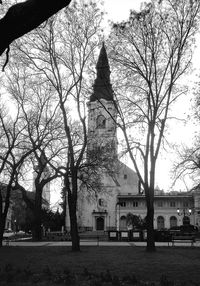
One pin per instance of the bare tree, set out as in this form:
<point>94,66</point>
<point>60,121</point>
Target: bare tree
<point>150,53</point>
<point>43,127</point>
<point>14,151</point>
<point>61,54</point>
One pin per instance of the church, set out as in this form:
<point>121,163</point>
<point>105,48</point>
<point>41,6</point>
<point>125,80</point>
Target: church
<point>123,194</point>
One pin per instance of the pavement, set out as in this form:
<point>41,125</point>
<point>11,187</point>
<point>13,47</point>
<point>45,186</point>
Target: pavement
<point>98,243</point>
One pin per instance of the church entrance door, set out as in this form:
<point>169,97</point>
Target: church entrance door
<point>100,223</point>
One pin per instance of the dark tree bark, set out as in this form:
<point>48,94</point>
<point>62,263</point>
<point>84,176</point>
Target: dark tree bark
<point>4,211</point>
<point>149,194</point>
<point>37,227</point>
<point>72,202</point>
<point>72,190</point>
<point>23,17</point>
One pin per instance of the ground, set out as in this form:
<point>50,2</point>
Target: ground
<point>177,263</point>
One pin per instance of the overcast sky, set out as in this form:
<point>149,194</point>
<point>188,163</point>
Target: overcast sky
<point>119,10</point>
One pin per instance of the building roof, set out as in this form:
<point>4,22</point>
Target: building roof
<point>102,88</point>
<point>163,196</point>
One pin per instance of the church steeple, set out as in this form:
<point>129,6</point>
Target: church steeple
<point>102,113</point>
<point>102,88</point>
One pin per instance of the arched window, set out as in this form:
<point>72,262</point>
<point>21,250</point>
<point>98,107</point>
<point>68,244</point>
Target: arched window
<point>173,221</point>
<point>100,202</point>
<point>122,223</point>
<point>160,222</point>
<point>101,122</point>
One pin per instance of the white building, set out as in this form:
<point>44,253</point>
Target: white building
<point>107,210</point>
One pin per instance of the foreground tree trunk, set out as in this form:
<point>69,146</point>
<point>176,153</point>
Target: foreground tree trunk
<point>72,203</point>
<point>37,225</point>
<point>2,226</point>
<point>73,224</point>
<point>4,211</point>
<point>150,247</point>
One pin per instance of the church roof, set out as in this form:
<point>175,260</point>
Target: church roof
<point>102,88</point>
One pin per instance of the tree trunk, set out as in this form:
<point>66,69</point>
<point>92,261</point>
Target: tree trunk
<point>1,220</point>
<point>73,223</point>
<point>4,212</point>
<point>150,220</point>
<point>150,230</point>
<point>2,226</point>
<point>37,225</point>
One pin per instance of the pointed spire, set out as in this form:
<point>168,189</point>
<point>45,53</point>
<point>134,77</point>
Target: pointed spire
<point>103,59</point>
<point>102,86</point>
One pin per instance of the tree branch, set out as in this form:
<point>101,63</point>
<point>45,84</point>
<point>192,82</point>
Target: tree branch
<point>23,17</point>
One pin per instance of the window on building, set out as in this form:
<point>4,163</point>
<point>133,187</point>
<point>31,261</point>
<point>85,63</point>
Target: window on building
<point>172,204</point>
<point>160,222</point>
<point>160,204</point>
<point>185,204</point>
<point>135,204</point>
<point>125,176</point>
<point>173,221</point>
<point>101,122</point>
<point>123,204</point>
<point>100,202</point>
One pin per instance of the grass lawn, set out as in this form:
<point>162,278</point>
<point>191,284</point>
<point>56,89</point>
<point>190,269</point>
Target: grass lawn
<point>178,264</point>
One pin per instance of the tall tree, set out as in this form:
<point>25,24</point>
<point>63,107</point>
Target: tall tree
<point>62,54</point>
<point>43,126</point>
<point>14,151</point>
<point>150,53</point>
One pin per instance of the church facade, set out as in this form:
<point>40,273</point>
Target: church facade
<point>108,209</point>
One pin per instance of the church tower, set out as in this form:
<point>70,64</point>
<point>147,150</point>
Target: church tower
<point>102,112</point>
<point>99,213</point>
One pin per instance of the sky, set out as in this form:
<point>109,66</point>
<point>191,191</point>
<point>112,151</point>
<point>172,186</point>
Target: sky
<point>119,10</point>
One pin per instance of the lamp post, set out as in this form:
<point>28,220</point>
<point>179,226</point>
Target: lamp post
<point>185,212</point>
<point>15,228</point>
<point>118,215</point>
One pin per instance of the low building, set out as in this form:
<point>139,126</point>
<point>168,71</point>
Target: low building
<point>170,209</point>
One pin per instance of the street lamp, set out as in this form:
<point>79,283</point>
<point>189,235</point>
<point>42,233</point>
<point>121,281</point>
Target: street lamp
<point>118,204</point>
<point>184,212</point>
<point>15,228</point>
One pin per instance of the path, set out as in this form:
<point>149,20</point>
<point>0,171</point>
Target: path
<point>95,243</point>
